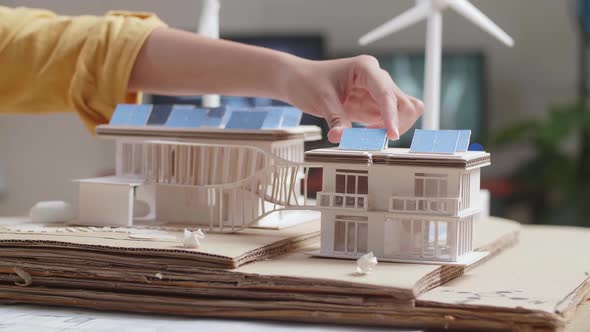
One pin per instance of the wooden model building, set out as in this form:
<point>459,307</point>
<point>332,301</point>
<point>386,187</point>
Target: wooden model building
<point>410,205</point>
<point>222,168</point>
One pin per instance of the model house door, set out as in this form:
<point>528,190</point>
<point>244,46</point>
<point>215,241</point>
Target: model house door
<point>417,239</point>
<point>351,234</point>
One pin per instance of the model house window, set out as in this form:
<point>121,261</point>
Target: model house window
<point>351,234</point>
<point>351,182</point>
<point>430,185</point>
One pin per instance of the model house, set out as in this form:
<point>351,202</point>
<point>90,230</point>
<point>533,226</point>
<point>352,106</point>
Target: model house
<point>232,169</point>
<point>221,168</point>
<point>401,204</point>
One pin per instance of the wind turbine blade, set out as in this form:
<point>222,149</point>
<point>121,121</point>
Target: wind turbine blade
<point>470,12</point>
<point>410,17</point>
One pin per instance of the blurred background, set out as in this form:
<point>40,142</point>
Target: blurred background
<point>526,105</point>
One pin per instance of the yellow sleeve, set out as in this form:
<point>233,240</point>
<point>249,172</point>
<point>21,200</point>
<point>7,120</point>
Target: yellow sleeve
<point>52,63</point>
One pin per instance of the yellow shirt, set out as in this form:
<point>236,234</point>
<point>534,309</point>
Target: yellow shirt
<point>51,63</point>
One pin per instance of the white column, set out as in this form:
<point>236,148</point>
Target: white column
<point>209,27</point>
<point>432,73</point>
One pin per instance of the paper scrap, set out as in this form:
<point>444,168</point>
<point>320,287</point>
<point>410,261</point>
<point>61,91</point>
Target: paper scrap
<point>28,280</point>
<point>191,239</point>
<point>159,275</point>
<point>366,263</point>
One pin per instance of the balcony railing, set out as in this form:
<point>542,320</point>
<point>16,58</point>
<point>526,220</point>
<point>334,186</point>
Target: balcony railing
<point>431,205</point>
<point>341,200</point>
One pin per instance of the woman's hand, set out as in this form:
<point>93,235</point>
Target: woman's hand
<point>350,90</point>
<point>342,91</point>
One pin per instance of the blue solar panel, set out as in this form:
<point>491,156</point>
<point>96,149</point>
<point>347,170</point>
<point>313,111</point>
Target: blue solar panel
<point>159,116</point>
<point>273,119</point>
<point>185,116</point>
<point>131,115</point>
<point>216,118</point>
<point>463,143</point>
<point>423,140</point>
<point>291,117</point>
<point>446,142</point>
<point>364,139</point>
<point>440,141</point>
<point>246,120</point>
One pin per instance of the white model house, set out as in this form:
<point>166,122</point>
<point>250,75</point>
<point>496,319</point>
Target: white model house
<point>232,169</point>
<point>401,205</point>
<point>226,169</point>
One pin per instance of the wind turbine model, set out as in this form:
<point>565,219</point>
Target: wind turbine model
<point>431,10</point>
<point>209,27</point>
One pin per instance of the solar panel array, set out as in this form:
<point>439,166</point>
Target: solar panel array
<point>188,116</point>
<point>440,141</point>
<point>363,139</point>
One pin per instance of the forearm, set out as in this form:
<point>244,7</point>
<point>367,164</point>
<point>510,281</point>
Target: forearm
<point>176,62</point>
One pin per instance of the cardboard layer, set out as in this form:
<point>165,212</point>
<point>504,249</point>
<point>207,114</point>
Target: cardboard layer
<point>410,279</point>
<point>548,271</point>
<point>294,271</point>
<point>533,286</point>
<point>552,292</point>
<point>518,290</point>
<point>217,250</point>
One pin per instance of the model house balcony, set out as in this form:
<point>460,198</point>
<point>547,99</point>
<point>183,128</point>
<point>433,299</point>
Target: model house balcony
<point>431,205</point>
<point>342,200</point>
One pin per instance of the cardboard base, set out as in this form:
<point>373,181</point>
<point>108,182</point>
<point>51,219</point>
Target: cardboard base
<point>467,259</point>
<point>160,245</point>
<point>508,289</point>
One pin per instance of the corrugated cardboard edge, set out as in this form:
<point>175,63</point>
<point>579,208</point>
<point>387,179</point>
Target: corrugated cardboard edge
<point>449,272</point>
<point>483,319</point>
<point>268,251</point>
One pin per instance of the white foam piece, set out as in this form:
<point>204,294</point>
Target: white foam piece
<point>191,239</point>
<point>52,211</point>
<point>366,263</point>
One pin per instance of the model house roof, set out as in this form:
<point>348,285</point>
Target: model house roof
<point>431,148</point>
<point>399,156</point>
<point>223,123</point>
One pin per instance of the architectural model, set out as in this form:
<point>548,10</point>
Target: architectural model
<point>410,205</point>
<point>223,168</point>
<point>229,169</point>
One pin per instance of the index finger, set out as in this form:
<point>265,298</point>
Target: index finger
<point>381,87</point>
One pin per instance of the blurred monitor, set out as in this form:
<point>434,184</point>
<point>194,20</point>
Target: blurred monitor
<point>462,89</point>
<point>306,46</point>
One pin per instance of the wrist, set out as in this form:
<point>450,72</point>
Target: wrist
<point>289,72</point>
